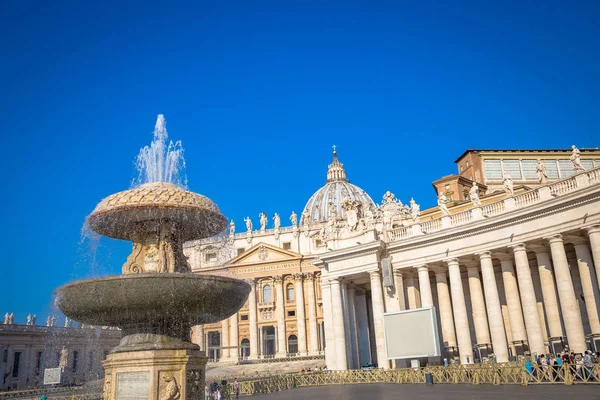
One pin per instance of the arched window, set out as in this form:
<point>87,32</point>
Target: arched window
<point>245,349</point>
<point>293,344</point>
<point>289,292</point>
<point>267,294</point>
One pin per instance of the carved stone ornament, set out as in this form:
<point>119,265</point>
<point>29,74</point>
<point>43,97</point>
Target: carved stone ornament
<point>298,277</point>
<point>169,389</point>
<point>106,392</point>
<point>310,276</point>
<point>263,253</point>
<point>278,279</point>
<point>352,210</point>
<point>194,384</point>
<point>393,212</point>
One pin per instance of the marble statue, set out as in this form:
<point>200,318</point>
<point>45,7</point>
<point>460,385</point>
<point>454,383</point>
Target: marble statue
<point>575,159</point>
<point>305,218</point>
<point>33,319</point>
<point>388,197</point>
<point>442,203</point>
<point>248,222</point>
<point>48,321</point>
<point>11,318</point>
<point>6,319</point>
<point>540,169</point>
<point>263,221</point>
<point>276,221</point>
<point>474,195</point>
<point>415,211</point>
<point>332,211</point>
<point>66,322</point>
<point>294,219</point>
<point>231,228</point>
<point>29,319</point>
<point>351,208</point>
<point>508,184</point>
<point>64,358</point>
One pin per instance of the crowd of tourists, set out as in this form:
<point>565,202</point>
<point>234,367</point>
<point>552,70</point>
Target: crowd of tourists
<point>215,390</point>
<point>581,366</point>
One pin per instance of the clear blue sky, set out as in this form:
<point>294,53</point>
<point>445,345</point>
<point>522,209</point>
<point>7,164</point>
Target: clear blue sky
<point>258,92</point>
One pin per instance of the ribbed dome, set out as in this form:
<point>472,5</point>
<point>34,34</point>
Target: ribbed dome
<point>337,189</point>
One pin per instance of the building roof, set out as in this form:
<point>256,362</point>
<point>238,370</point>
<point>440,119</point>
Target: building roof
<point>583,150</point>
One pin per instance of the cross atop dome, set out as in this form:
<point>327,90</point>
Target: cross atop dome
<point>336,171</point>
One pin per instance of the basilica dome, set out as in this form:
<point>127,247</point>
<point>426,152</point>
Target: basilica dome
<point>337,189</point>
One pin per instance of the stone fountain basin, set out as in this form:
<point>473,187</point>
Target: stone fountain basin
<point>152,300</point>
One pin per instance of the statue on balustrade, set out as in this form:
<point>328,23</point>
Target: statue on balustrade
<point>263,221</point>
<point>248,222</point>
<point>540,169</point>
<point>415,211</point>
<point>231,228</point>
<point>443,204</point>
<point>276,221</point>
<point>6,319</point>
<point>294,219</point>
<point>474,195</point>
<point>575,159</point>
<point>508,184</point>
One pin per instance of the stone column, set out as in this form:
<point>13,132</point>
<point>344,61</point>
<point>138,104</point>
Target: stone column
<point>300,316</point>
<point>588,283</point>
<point>198,336</point>
<point>412,292</point>
<point>234,341</point>
<point>399,285</point>
<point>494,310</point>
<point>445,306</point>
<point>513,301</point>
<point>461,320</point>
<point>549,292</point>
<point>280,309</point>
<point>530,311</point>
<point>224,340</point>
<point>330,360</point>
<point>252,319</point>
<point>566,295</point>
<point>478,306</point>
<point>338,326</point>
<point>378,310</point>
<point>425,286</point>
<point>594,236</point>
<point>353,332</point>
<point>312,315</point>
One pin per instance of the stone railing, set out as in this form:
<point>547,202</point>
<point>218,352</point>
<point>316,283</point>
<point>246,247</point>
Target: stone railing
<point>509,203</point>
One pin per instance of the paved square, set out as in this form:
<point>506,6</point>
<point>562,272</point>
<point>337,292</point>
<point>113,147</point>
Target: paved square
<point>438,392</point>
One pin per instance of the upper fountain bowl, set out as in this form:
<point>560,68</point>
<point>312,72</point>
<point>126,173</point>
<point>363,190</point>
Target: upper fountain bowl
<point>126,215</point>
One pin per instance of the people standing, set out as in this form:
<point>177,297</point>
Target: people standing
<point>236,388</point>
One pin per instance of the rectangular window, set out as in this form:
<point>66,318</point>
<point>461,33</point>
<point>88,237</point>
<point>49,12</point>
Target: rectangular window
<point>209,257</point>
<point>529,169</point>
<point>287,245</point>
<point>291,313</point>
<point>493,169</point>
<point>587,164</point>
<point>16,364</point>
<point>318,243</point>
<point>38,363</point>
<point>513,168</point>
<point>75,360</point>
<point>240,250</point>
<point>551,169</point>
<point>244,317</point>
<point>566,168</point>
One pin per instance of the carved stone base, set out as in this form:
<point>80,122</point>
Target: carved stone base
<point>155,375</point>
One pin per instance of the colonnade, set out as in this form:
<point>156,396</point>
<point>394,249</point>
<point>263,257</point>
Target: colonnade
<point>516,310</point>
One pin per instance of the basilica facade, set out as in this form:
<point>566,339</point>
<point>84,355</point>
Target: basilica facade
<point>509,258</point>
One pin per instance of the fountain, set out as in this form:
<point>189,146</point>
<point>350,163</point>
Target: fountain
<point>157,299</point>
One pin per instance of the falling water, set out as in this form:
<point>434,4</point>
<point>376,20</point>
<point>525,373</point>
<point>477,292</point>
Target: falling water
<point>161,162</point>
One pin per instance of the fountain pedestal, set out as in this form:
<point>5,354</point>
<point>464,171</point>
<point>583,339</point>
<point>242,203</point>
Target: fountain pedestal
<point>155,374</point>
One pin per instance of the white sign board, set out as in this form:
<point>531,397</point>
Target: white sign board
<point>133,386</point>
<point>52,376</point>
<point>411,334</point>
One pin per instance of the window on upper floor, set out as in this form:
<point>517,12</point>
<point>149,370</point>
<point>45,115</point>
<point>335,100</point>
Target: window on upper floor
<point>529,169</point>
<point>267,294</point>
<point>287,245</point>
<point>493,169</point>
<point>240,250</point>
<point>209,257</point>
<point>289,291</point>
<point>244,317</point>
<point>513,168</point>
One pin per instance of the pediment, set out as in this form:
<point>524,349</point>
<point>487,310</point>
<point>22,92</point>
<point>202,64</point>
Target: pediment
<point>263,253</point>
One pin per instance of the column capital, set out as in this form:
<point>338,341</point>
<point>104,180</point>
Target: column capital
<point>335,281</point>
<point>486,254</point>
<point>397,272</point>
<point>252,282</point>
<point>517,247</point>
<point>422,267</point>
<point>595,228</point>
<point>375,274</point>
<point>451,261</point>
<point>310,276</point>
<point>278,279</point>
<point>554,238</point>
<point>298,277</point>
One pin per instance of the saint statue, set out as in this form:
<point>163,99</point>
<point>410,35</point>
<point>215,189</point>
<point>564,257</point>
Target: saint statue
<point>11,318</point>
<point>53,321</point>
<point>231,228</point>
<point>66,322</point>
<point>276,221</point>
<point>508,184</point>
<point>29,319</point>
<point>248,222</point>
<point>305,218</point>
<point>48,321</point>
<point>33,319</point>
<point>442,203</point>
<point>474,195</point>
<point>332,211</point>
<point>294,219</point>
<point>415,211</point>
<point>64,358</point>
<point>263,221</point>
<point>576,160</point>
<point>6,319</point>
<point>540,169</point>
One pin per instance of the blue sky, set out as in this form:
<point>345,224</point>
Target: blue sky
<point>258,92</point>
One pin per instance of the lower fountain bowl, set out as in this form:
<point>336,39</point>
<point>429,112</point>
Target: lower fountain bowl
<point>152,303</point>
